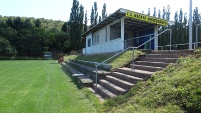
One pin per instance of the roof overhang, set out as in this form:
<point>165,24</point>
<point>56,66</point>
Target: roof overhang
<point>133,21</point>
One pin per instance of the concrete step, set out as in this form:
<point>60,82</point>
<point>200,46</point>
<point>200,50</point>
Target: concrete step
<point>72,70</point>
<point>103,92</point>
<point>126,77</point>
<point>145,68</point>
<point>112,87</point>
<point>166,60</point>
<point>150,63</point>
<point>137,73</point>
<point>121,83</point>
<point>172,52</point>
<point>163,55</point>
<point>88,70</point>
<point>101,99</point>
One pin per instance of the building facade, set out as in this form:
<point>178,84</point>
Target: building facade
<point>123,29</point>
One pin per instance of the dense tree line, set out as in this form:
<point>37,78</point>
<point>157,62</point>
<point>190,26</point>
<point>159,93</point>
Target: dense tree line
<point>23,36</point>
<point>180,31</point>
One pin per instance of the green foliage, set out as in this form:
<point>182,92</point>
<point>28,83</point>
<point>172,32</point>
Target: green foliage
<point>76,25</point>
<point>85,22</point>
<point>29,36</point>
<point>180,30</point>
<point>6,48</point>
<point>95,13</point>
<point>175,89</point>
<point>104,15</point>
<point>92,17</point>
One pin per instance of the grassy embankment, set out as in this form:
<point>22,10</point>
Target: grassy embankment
<point>177,89</point>
<point>116,62</point>
<point>41,86</point>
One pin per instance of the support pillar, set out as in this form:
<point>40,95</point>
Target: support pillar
<point>122,33</point>
<point>156,38</point>
<point>190,25</point>
<point>108,34</point>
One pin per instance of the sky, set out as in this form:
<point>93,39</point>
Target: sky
<point>60,9</point>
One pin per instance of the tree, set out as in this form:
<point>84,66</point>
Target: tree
<point>95,13</point>
<point>64,27</point>
<point>28,24</point>
<point>104,15</point>
<point>92,17</point>
<point>85,22</point>
<point>5,47</point>
<point>18,23</point>
<point>164,13</point>
<point>80,28</point>
<point>175,28</point>
<point>154,12</point>
<point>180,29</point>
<point>148,12</point>
<point>168,13</point>
<point>38,23</point>
<point>196,20</point>
<point>185,28</point>
<point>99,19</point>
<point>76,25</point>
<point>159,13</point>
<point>180,16</point>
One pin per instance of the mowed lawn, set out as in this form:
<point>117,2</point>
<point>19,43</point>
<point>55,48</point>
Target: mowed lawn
<point>39,86</point>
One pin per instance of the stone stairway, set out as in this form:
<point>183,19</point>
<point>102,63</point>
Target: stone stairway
<point>120,81</point>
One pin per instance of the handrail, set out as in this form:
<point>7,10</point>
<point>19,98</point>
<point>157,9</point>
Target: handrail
<point>180,45</point>
<point>133,51</point>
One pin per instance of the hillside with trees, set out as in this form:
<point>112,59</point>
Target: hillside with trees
<point>31,37</point>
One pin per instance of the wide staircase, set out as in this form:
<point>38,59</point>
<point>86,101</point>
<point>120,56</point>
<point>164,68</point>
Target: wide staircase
<point>122,79</point>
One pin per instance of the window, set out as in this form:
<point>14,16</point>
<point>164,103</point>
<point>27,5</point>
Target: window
<point>95,39</point>
<point>89,42</point>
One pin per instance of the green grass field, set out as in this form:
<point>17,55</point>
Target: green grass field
<point>40,86</point>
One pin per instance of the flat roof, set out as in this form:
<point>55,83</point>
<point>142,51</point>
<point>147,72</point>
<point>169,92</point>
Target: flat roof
<point>133,21</point>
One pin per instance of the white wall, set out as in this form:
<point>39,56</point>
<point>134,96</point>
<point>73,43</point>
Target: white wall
<point>102,35</point>
<point>110,46</point>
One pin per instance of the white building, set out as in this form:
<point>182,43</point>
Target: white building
<point>122,29</point>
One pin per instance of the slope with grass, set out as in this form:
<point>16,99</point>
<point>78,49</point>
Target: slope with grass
<point>177,89</point>
<point>40,87</point>
<point>118,61</point>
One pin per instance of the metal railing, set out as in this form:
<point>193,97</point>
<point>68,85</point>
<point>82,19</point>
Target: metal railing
<point>133,48</point>
<point>136,41</point>
<point>176,45</point>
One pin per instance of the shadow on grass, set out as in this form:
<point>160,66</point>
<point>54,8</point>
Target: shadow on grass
<point>73,79</point>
